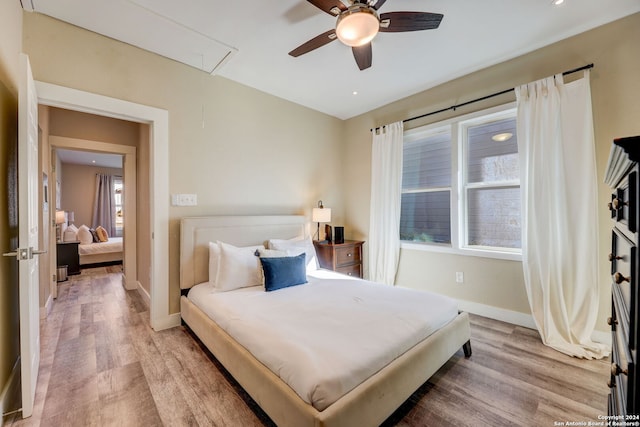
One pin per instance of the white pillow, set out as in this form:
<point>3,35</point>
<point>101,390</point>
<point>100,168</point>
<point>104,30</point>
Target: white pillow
<point>70,234</point>
<point>237,267</point>
<point>84,235</point>
<point>271,253</point>
<point>296,246</point>
<point>214,260</point>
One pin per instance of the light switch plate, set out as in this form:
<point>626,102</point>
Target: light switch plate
<point>184,200</point>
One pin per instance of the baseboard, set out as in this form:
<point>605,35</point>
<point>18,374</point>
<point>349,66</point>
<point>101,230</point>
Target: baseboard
<point>517,318</point>
<point>159,322</point>
<point>130,285</point>
<point>144,294</point>
<point>44,311</point>
<point>166,322</point>
<point>10,397</point>
<point>497,313</point>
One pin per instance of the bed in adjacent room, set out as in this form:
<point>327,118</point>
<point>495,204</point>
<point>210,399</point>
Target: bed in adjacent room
<point>96,246</point>
<point>329,350</point>
<point>101,252</point>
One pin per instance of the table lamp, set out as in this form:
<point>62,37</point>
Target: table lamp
<point>320,214</point>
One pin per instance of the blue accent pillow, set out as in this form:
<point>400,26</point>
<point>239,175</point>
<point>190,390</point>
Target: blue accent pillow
<point>282,272</point>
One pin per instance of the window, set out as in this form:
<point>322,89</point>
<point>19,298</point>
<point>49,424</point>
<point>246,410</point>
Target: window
<point>119,203</point>
<point>461,185</point>
<point>491,183</point>
<point>426,187</point>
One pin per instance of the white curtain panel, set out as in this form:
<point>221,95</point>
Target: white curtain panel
<point>386,191</point>
<point>560,226</point>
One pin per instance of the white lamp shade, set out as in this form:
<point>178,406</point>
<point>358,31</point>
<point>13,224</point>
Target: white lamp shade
<point>71,215</point>
<point>321,215</point>
<point>60,217</point>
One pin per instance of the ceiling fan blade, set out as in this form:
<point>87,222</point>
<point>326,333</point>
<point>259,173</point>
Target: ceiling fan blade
<point>396,22</point>
<point>332,7</point>
<point>314,43</point>
<point>363,55</point>
<point>376,4</point>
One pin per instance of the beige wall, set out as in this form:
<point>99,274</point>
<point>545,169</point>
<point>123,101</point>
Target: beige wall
<point>10,46</point>
<point>255,154</point>
<point>74,124</point>
<point>615,87</point>
<point>78,187</point>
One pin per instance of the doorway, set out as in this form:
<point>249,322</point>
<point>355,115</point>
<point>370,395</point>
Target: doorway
<point>129,174</point>
<point>158,158</point>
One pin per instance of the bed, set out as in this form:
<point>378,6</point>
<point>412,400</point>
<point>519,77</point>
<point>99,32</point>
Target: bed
<point>368,403</point>
<point>103,252</point>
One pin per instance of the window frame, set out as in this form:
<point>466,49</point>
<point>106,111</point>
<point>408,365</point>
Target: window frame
<point>459,187</point>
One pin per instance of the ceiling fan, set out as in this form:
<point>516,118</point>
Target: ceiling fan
<point>359,23</point>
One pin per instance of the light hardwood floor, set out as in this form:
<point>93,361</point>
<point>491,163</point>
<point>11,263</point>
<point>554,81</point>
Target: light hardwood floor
<point>102,365</point>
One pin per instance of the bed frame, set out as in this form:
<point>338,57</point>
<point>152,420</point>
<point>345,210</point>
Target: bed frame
<point>368,404</point>
<point>97,259</point>
<point>101,258</point>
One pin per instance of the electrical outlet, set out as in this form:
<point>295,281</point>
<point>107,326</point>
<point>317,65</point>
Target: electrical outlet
<point>459,277</point>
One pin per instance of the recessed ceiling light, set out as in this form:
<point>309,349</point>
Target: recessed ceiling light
<point>355,92</point>
<point>93,161</point>
<point>501,137</point>
<point>557,2</point>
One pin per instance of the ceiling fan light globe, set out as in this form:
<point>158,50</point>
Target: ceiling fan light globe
<point>357,27</point>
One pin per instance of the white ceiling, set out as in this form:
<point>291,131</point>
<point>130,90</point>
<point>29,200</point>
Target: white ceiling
<point>90,158</point>
<point>248,41</point>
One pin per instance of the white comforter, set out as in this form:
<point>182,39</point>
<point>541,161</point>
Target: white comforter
<point>114,244</point>
<point>329,335</point>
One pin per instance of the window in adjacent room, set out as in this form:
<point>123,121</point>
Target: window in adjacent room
<point>118,189</point>
<point>461,186</point>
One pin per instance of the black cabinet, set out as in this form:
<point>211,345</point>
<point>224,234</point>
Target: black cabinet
<point>622,176</point>
<point>67,254</point>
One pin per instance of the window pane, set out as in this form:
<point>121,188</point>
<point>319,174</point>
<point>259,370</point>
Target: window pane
<point>118,189</point>
<point>426,217</point>
<point>427,162</point>
<point>494,217</point>
<point>489,160</point>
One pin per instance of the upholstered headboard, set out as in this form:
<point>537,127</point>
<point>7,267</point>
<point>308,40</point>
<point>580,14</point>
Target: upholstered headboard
<point>197,232</point>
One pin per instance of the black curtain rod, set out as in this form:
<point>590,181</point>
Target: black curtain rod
<point>502,92</point>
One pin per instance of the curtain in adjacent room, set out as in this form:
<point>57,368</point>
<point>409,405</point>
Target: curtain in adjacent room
<point>104,206</point>
<point>386,188</point>
<point>560,224</point>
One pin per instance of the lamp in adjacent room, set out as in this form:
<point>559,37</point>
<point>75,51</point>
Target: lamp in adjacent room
<point>60,219</point>
<point>320,214</point>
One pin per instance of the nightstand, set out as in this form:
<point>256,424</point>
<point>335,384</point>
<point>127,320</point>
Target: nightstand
<point>344,257</point>
<point>67,254</point>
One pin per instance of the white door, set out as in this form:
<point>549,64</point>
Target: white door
<point>28,184</point>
